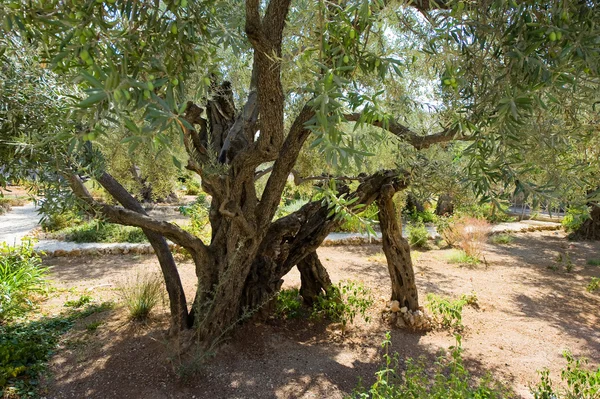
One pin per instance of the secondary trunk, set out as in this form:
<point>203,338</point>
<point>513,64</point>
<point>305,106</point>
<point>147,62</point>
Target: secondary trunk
<point>314,278</point>
<point>397,252</point>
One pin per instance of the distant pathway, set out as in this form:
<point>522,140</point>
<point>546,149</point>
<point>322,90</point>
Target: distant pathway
<point>20,221</point>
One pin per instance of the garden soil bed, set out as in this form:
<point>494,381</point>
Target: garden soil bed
<point>530,309</point>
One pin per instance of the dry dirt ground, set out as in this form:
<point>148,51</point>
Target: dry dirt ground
<point>528,314</point>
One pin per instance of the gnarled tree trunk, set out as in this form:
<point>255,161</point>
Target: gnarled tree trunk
<point>397,251</point>
<point>589,229</point>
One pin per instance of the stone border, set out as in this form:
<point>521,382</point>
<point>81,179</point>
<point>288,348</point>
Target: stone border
<point>146,249</point>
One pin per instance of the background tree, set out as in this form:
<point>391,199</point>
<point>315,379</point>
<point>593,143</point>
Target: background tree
<point>302,72</point>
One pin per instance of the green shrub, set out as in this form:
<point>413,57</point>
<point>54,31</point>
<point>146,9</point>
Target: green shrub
<point>98,231</point>
<point>502,239</point>
<point>593,262</point>
<point>60,221</point>
<point>417,234</point>
<point>574,218</point>
<point>25,348</point>
<point>594,285</point>
<point>581,383</point>
<point>445,378</point>
<point>460,257</point>
<point>22,277</point>
<point>343,302</point>
<point>448,312</point>
<point>288,304</point>
<point>192,187</point>
<point>78,303</point>
<point>199,222</point>
<point>356,224</point>
<point>142,295</point>
<point>484,211</point>
<point>426,216</point>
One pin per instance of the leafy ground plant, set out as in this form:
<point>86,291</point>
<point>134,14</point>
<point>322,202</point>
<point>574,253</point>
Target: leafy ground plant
<point>448,312</point>
<point>142,295</point>
<point>593,262</point>
<point>417,234</point>
<point>581,382</point>
<point>502,239</point>
<point>343,302</point>
<point>22,279</point>
<point>78,303</point>
<point>288,304</point>
<point>460,257</point>
<point>446,378</point>
<point>97,231</point>
<point>26,346</point>
<point>594,285</point>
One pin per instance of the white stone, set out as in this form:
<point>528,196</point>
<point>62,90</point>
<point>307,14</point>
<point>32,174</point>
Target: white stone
<point>403,309</point>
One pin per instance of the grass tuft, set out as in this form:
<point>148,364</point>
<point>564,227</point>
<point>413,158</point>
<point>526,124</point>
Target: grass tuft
<point>460,257</point>
<point>142,295</point>
<point>502,239</point>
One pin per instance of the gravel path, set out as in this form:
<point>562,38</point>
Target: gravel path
<point>17,223</point>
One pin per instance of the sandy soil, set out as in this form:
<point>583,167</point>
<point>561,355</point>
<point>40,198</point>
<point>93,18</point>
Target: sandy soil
<point>528,314</point>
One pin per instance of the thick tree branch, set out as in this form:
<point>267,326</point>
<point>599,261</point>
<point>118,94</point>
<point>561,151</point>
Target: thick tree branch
<point>133,218</point>
<point>283,166</point>
<point>404,133</point>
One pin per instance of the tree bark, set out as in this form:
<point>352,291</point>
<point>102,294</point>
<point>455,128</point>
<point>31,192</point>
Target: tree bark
<point>590,229</point>
<point>397,252</point>
<point>445,206</point>
<point>314,278</point>
<point>177,300</point>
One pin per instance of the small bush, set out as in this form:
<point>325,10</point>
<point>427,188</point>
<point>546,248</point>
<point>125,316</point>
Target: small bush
<point>460,257</point>
<point>192,187</point>
<point>467,233</point>
<point>448,312</point>
<point>199,221</point>
<point>581,383</point>
<point>356,224</point>
<point>98,231</point>
<point>289,304</point>
<point>60,221</point>
<point>574,218</point>
<point>26,347</point>
<point>426,216</point>
<point>502,239</point>
<point>485,211</point>
<point>22,277</point>
<point>343,302</point>
<point>594,285</point>
<point>417,234</point>
<point>142,295</point>
<point>445,378</point>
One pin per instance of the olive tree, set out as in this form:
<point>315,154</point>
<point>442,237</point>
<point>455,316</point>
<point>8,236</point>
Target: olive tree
<point>300,73</point>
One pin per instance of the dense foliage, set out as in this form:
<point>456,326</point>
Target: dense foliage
<point>22,279</point>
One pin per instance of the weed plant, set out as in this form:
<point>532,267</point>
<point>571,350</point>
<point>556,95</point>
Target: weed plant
<point>22,279</point>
